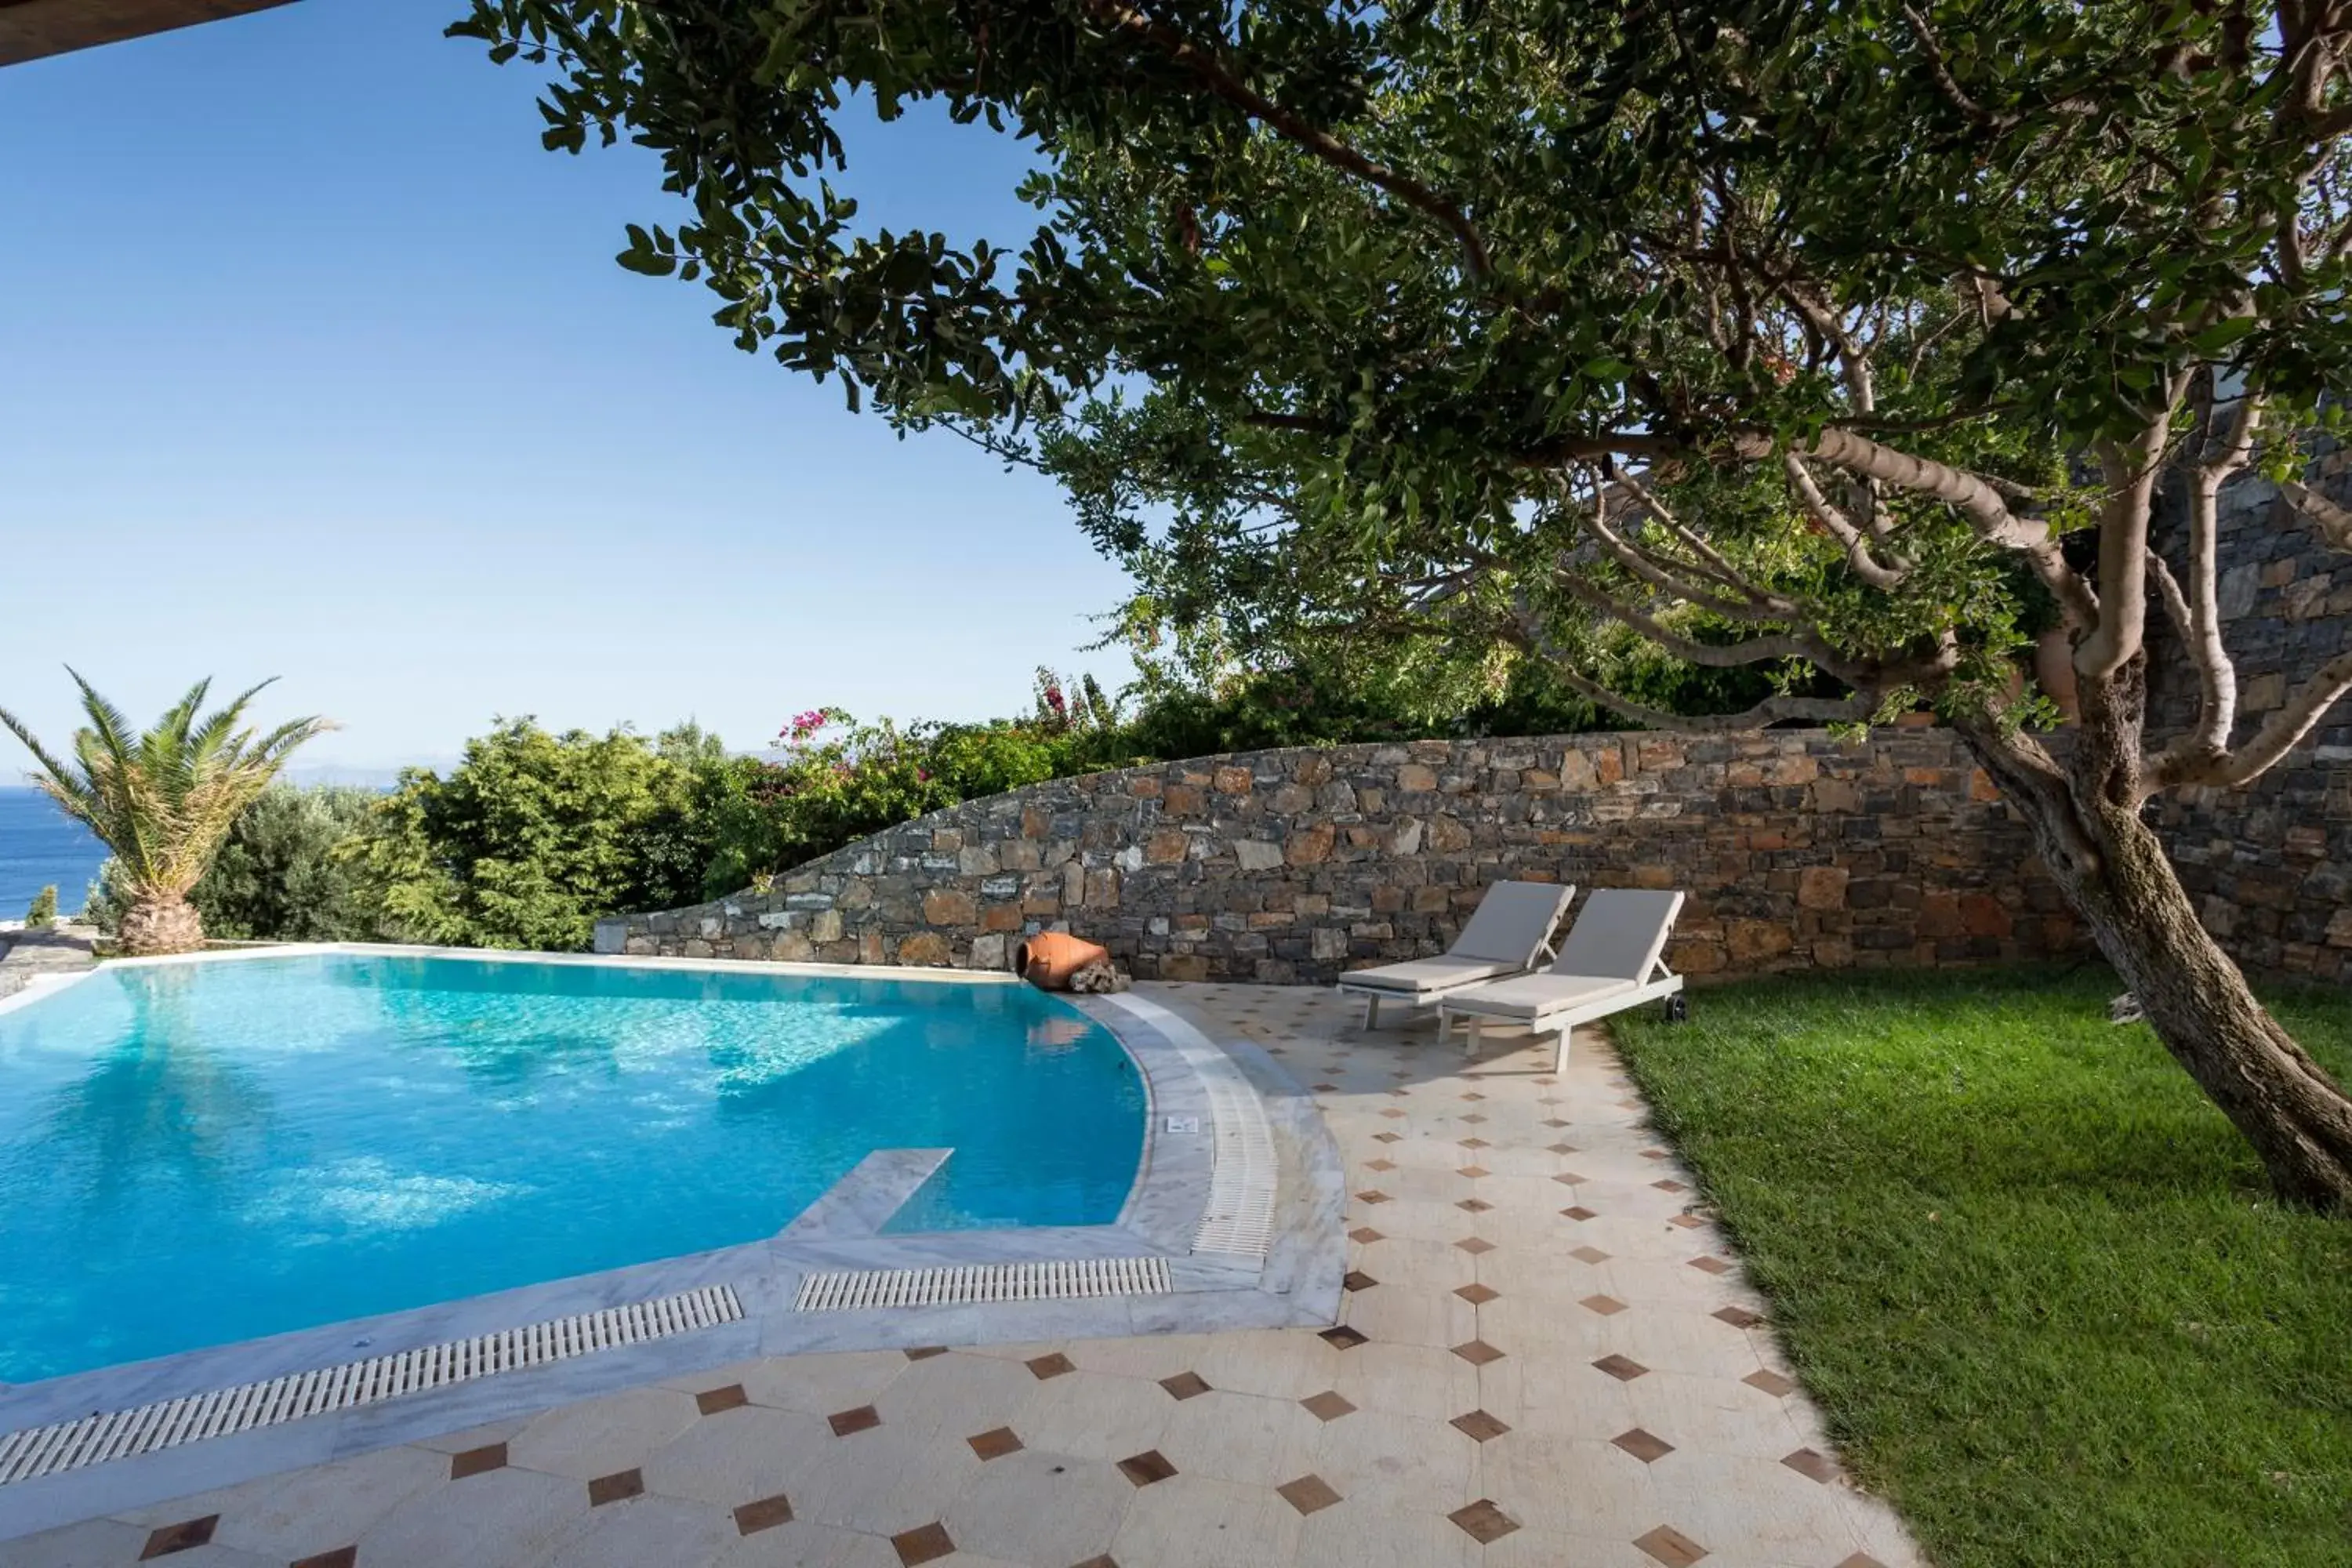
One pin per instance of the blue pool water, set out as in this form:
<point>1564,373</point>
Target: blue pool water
<point>196,1153</point>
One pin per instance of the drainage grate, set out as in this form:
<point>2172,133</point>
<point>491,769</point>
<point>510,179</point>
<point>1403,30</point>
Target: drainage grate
<point>841,1290</point>
<point>1239,1218</point>
<point>94,1439</point>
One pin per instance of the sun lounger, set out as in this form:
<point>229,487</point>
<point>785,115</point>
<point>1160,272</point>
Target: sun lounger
<point>1507,933</point>
<point>1611,960</point>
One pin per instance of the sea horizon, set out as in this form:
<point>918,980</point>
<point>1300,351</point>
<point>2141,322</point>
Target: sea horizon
<point>42,847</point>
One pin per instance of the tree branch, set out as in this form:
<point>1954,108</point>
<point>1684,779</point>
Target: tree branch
<point>1858,555</point>
<point>1853,709</point>
<point>2279,735</point>
<point>1715,655</point>
<point>2333,523</point>
<point>1711,559</point>
<point>1975,499</point>
<point>1219,79</point>
<point>1658,570</point>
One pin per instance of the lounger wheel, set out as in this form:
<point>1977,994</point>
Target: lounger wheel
<point>1678,1008</point>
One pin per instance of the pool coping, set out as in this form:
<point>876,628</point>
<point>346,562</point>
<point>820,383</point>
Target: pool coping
<point>1295,1282</point>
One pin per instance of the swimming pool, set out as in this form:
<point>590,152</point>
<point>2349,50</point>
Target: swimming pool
<point>198,1153</point>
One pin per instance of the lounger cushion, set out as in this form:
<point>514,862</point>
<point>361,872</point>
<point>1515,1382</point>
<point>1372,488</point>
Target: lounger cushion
<point>1536,996</point>
<point>1620,932</point>
<point>1427,976</point>
<point>1512,922</point>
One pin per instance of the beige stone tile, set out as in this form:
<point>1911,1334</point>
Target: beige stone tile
<point>94,1543</point>
<point>599,1437</point>
<point>882,1481</point>
<point>1423,1381</point>
<point>1547,1277</point>
<point>1882,1533</point>
<point>644,1531</point>
<point>1755,1505</point>
<point>195,1505</point>
<point>1198,1521</point>
<point>1711,1414</point>
<point>1094,1415</point>
<point>480,1437</point>
<point>1396,1464</point>
<point>737,1455</point>
<point>957,1394</point>
<point>1039,1506</point>
<point>1405,1311</point>
<point>1689,1341</point>
<point>1534,1549</point>
<point>804,1543</point>
<point>1415,1221</point>
<point>302,1512</point>
<point>1570,1487</point>
<point>821,1384</point>
<point>499,1518</point>
<point>1149,1357</point>
<point>717,1376</point>
<point>1417,1184</point>
<point>215,1555</point>
<point>1283,1363</point>
<point>1349,1535</point>
<point>1556,1396</point>
<point>1401,1260</point>
<point>1249,1438</point>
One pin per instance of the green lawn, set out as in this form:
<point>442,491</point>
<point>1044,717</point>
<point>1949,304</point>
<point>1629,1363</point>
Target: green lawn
<point>2033,1276</point>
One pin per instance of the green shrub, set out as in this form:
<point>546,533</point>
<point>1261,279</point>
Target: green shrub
<point>43,914</point>
<point>533,835</point>
<point>286,872</point>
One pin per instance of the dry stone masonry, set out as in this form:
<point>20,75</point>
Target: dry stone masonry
<point>1798,849</point>
<point>2271,868</point>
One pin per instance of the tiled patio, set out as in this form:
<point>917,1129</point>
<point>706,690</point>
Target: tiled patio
<point>1547,1358</point>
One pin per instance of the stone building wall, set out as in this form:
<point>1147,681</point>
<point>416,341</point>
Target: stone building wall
<point>1291,866</point>
<point>2270,867</point>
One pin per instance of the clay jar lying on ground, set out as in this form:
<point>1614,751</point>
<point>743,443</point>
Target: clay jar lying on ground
<point>1048,958</point>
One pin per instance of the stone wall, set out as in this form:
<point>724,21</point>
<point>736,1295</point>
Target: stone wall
<point>2270,867</point>
<point>1292,866</point>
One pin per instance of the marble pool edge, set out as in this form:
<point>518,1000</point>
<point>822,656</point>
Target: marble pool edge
<point>1296,1283</point>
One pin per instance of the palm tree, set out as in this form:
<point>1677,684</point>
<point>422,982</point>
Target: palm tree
<point>164,800</point>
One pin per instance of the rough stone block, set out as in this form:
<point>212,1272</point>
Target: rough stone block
<point>1822,887</point>
<point>926,949</point>
<point>1309,845</point>
<point>1256,854</point>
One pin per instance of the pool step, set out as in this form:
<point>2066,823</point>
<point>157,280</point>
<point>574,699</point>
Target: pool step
<point>94,1439</point>
<point>1062,1280</point>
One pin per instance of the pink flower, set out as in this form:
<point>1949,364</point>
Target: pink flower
<point>804,725</point>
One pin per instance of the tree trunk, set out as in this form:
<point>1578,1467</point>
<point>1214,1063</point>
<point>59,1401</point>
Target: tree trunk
<point>2085,812</point>
<point>157,923</point>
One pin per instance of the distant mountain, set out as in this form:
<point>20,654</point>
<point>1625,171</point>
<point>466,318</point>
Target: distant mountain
<point>379,777</point>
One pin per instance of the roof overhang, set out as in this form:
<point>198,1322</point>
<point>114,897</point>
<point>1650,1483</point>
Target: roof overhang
<point>30,29</point>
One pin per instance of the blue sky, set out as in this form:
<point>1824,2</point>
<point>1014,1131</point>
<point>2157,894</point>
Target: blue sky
<point>313,363</point>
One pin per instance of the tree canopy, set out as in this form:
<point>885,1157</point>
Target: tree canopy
<point>1843,342</point>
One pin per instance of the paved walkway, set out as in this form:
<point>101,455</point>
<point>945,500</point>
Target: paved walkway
<point>25,955</point>
<point>1547,1358</point>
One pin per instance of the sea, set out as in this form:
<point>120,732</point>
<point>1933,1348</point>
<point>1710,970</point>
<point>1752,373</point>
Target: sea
<point>41,845</point>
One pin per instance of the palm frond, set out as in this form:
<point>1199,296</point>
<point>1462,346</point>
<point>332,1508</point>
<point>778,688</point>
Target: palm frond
<point>164,799</point>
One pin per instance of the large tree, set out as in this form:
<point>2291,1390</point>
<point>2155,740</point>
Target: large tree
<point>1831,339</point>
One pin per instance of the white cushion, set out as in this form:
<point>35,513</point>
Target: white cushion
<point>1427,976</point>
<point>1539,995</point>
